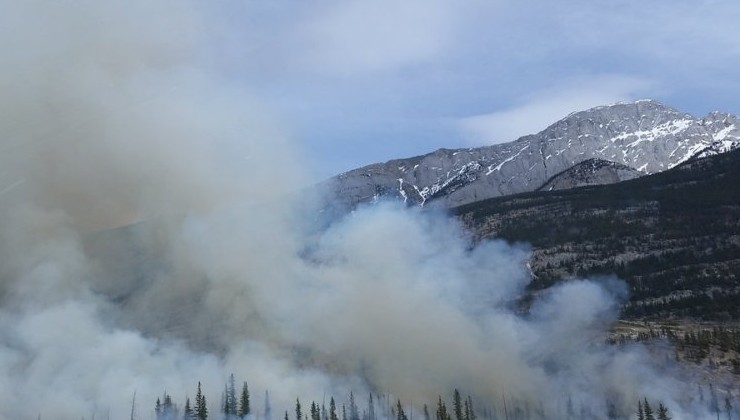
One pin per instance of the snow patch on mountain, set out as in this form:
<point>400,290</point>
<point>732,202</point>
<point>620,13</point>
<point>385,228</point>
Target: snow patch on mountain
<point>644,136</point>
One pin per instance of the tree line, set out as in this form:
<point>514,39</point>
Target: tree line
<point>233,406</point>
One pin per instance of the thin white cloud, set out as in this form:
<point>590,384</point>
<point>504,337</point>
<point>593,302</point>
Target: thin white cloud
<point>535,112</point>
<point>358,37</point>
<point>339,73</point>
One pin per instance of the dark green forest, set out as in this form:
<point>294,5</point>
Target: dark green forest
<point>674,237</point>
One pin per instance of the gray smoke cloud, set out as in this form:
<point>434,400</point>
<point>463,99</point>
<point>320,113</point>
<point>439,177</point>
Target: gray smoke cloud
<point>148,241</point>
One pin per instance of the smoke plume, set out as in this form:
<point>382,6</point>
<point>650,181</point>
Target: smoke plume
<point>150,239</point>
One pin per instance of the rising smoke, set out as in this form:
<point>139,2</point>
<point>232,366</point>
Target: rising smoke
<point>148,241</point>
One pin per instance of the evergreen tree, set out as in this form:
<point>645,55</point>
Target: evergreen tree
<point>188,413</point>
<point>611,410</point>
<point>371,408</point>
<point>286,415</point>
<point>426,412</point>
<point>469,412</point>
<point>441,413</point>
<point>333,410</point>
<point>648,411</point>
<point>231,396</point>
<point>354,413</point>
<point>714,402</point>
<point>298,415</point>
<point>201,410</point>
<point>268,407</point>
<point>165,410</point>
<point>400,415</point>
<point>225,402</point>
<point>728,407</point>
<point>315,411</point>
<point>168,407</point>
<point>640,413</point>
<point>344,413</point>
<point>663,412</point>
<point>457,405</point>
<point>244,409</point>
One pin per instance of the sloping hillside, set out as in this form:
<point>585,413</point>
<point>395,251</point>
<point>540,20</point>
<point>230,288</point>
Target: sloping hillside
<point>673,236</point>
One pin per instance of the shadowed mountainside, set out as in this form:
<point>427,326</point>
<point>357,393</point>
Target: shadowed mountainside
<point>673,236</point>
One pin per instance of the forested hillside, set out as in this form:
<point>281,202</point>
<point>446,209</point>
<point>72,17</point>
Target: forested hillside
<point>673,236</point>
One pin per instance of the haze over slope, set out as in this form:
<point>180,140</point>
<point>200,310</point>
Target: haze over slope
<point>673,236</point>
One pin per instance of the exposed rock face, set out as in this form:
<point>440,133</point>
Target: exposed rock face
<point>590,172</point>
<point>646,136</point>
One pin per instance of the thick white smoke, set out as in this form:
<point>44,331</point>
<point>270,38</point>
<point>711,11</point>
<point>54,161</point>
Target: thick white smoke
<point>109,118</point>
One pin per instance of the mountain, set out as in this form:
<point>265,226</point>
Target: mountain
<point>673,236</point>
<point>593,171</point>
<point>642,137</point>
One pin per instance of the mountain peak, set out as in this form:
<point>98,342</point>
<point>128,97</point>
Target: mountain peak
<point>625,105</point>
<point>638,108</point>
<point>637,138</point>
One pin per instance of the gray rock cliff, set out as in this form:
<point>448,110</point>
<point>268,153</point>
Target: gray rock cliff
<point>593,171</point>
<point>644,137</point>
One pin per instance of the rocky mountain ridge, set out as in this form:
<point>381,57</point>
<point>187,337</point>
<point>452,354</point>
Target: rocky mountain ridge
<point>592,171</point>
<point>644,136</point>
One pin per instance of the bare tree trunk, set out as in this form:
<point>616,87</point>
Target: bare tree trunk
<point>133,405</point>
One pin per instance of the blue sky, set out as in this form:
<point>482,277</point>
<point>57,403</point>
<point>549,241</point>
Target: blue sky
<point>360,82</point>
